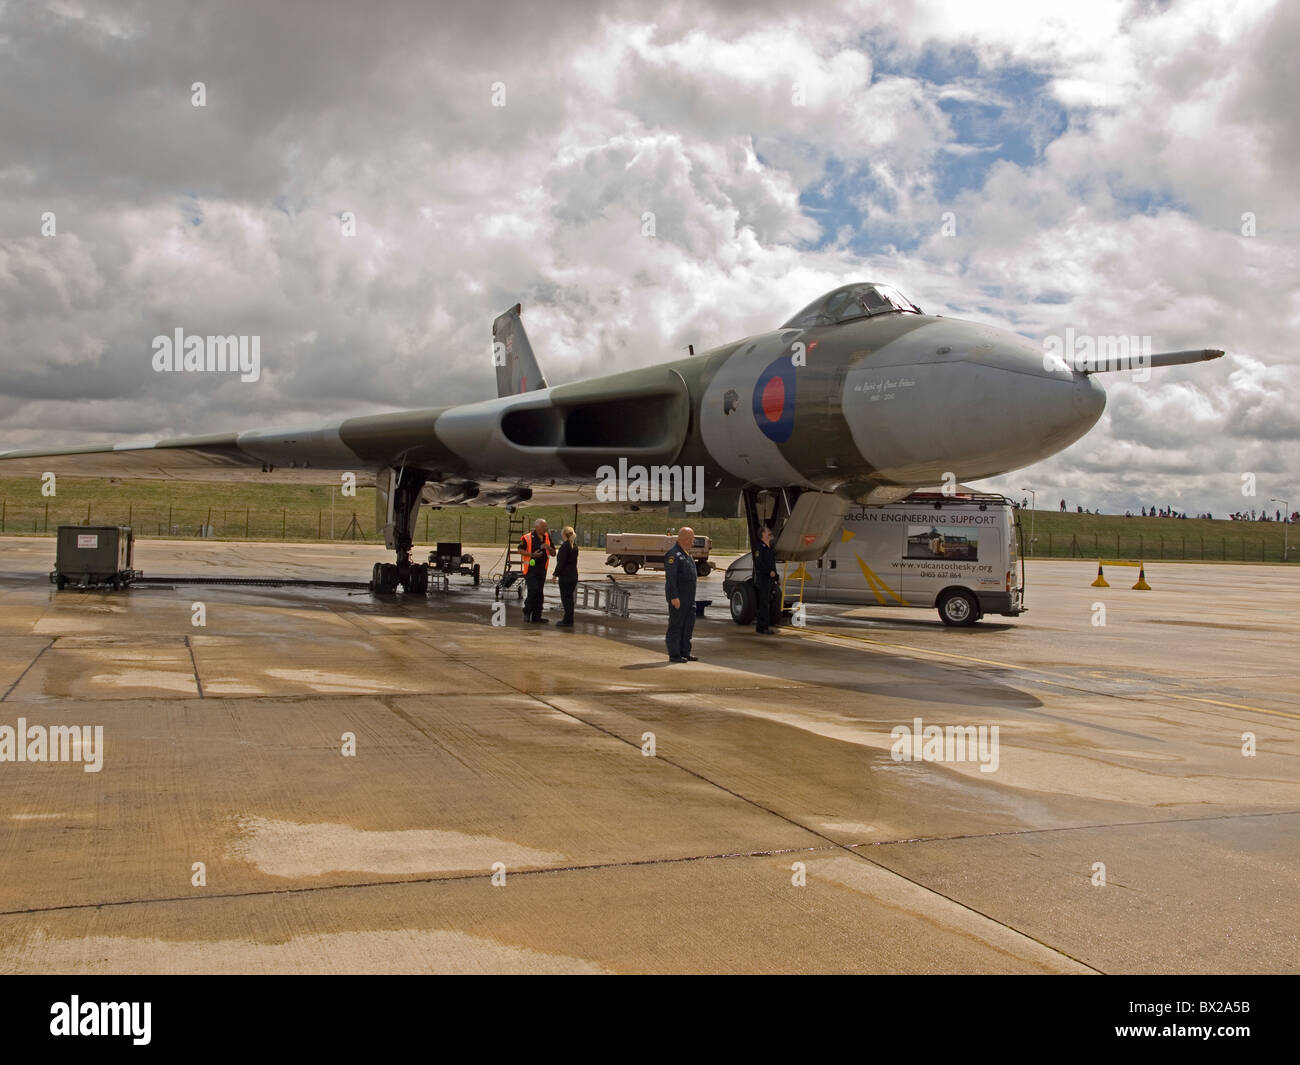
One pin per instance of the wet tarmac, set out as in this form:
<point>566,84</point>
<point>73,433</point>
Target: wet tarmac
<point>527,799</point>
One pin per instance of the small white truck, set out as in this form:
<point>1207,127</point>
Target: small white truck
<point>957,554</point>
<point>635,551</point>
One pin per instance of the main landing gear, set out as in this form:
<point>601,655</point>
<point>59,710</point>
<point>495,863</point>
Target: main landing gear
<point>404,505</point>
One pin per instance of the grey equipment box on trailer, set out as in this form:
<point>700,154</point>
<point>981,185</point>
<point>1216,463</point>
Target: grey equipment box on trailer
<point>635,551</point>
<point>94,554</point>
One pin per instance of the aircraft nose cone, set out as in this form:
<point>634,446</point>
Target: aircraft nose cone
<point>1089,398</point>
<point>1046,406</point>
<point>967,399</point>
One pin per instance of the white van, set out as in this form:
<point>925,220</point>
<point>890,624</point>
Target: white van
<point>960,554</point>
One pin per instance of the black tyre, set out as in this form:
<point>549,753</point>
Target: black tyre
<point>384,581</point>
<point>630,568</point>
<point>959,608</point>
<point>744,603</point>
<point>417,580</point>
<point>60,581</point>
<point>704,568</point>
<point>476,574</point>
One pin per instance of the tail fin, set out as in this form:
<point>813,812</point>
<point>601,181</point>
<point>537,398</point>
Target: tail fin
<point>517,369</point>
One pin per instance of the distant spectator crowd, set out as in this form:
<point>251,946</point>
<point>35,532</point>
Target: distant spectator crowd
<point>1170,512</point>
<point>1249,515</point>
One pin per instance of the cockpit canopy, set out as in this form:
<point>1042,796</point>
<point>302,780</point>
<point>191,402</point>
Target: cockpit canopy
<point>863,300</point>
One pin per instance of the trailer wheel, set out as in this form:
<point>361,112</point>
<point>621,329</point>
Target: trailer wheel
<point>744,603</point>
<point>704,567</point>
<point>475,571</point>
<point>630,568</point>
<point>958,608</point>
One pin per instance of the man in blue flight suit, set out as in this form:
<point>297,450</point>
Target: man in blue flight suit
<point>679,587</point>
<point>765,582</point>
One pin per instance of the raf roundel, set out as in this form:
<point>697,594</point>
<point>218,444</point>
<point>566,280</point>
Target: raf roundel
<point>774,400</point>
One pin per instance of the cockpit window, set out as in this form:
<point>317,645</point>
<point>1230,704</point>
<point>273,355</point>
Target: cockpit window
<point>863,300</point>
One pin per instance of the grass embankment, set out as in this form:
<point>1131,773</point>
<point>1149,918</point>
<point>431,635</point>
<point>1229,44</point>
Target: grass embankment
<point>180,509</point>
<point>1068,535</point>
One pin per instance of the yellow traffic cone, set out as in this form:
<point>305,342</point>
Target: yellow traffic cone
<point>1142,585</point>
<point>1101,581</point>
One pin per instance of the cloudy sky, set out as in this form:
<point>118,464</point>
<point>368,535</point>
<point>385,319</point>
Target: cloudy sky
<point>1097,160</point>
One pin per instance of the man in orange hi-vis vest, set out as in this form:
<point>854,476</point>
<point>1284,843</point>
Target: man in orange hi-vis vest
<point>535,548</point>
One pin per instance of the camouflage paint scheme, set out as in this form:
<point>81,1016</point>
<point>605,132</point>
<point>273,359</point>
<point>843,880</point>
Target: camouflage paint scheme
<point>882,404</point>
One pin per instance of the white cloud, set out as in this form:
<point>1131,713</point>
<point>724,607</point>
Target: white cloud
<point>464,209</point>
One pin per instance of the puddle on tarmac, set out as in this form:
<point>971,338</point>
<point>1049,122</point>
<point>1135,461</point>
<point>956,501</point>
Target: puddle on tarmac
<point>148,678</point>
<point>369,952</point>
<point>290,849</point>
<point>338,683</point>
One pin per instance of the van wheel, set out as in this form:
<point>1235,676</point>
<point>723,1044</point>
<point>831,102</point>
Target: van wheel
<point>744,603</point>
<point>959,608</point>
<point>630,568</point>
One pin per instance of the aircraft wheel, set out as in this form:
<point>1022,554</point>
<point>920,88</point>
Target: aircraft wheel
<point>959,608</point>
<point>630,568</point>
<point>417,580</point>
<point>384,579</point>
<point>744,603</point>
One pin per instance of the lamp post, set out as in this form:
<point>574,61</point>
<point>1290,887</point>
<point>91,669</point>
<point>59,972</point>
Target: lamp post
<point>1286,520</point>
<point>1033,506</point>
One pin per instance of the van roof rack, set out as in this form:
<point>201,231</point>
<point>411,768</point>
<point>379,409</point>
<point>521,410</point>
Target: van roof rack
<point>967,496</point>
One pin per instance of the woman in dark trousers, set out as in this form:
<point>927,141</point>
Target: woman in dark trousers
<point>566,574</point>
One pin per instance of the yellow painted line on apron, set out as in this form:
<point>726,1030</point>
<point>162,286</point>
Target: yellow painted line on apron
<point>1235,706</point>
<point>1032,669</point>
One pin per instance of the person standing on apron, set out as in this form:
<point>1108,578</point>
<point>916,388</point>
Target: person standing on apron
<point>566,574</point>
<point>765,581</point>
<point>535,548</point>
<point>679,588</point>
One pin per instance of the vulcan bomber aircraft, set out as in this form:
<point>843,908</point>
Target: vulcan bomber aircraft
<point>859,398</point>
